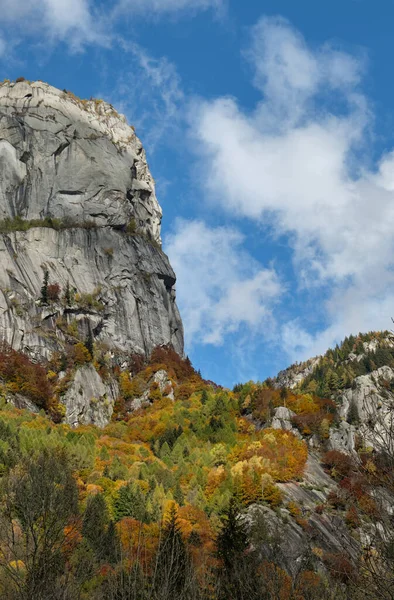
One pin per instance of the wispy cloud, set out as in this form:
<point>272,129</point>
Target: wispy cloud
<point>150,8</point>
<point>149,92</point>
<point>220,286</point>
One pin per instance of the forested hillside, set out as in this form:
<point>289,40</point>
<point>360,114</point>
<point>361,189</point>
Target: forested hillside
<point>193,491</point>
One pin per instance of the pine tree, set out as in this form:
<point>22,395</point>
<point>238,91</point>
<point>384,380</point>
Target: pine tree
<point>130,502</point>
<point>178,494</point>
<point>67,294</point>
<point>110,544</point>
<point>238,578</point>
<point>95,521</point>
<point>89,342</point>
<point>172,562</point>
<point>353,418</point>
<point>232,540</point>
<point>204,397</point>
<point>44,288</point>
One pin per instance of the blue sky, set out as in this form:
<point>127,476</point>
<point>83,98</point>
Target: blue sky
<point>269,131</point>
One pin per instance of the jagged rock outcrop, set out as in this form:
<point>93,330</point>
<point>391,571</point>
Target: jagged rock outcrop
<point>88,399</point>
<point>77,176</point>
<point>283,419</point>
<point>366,410</point>
<point>311,534</point>
<point>295,374</point>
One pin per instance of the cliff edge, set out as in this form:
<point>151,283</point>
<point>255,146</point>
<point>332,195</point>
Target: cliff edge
<point>80,246</point>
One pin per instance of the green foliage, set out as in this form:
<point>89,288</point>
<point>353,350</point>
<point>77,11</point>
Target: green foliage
<point>337,369</point>
<point>353,418</point>
<point>95,523</point>
<point>130,502</point>
<point>18,224</point>
<point>232,540</point>
<point>89,343</point>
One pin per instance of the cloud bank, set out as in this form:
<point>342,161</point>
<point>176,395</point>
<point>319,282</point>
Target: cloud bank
<point>297,162</point>
<point>222,287</point>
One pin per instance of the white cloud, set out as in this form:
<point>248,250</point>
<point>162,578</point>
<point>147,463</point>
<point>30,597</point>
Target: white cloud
<point>82,22</point>
<point>294,162</point>
<point>72,21</point>
<point>220,287</point>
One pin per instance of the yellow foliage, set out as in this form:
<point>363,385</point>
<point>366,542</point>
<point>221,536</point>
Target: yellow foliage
<point>17,565</point>
<point>93,489</point>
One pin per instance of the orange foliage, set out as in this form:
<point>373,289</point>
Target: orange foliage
<point>309,586</point>
<point>352,518</point>
<point>53,291</point>
<point>181,368</point>
<point>139,541</point>
<point>216,476</point>
<point>73,538</point>
<point>277,581</point>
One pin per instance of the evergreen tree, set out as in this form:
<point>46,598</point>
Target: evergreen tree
<point>353,418</point>
<point>89,342</point>
<point>44,288</point>
<point>204,397</point>
<point>238,576</point>
<point>172,563</point>
<point>95,521</point>
<point>130,502</point>
<point>67,294</point>
<point>232,540</point>
<point>178,494</point>
<point>110,545</point>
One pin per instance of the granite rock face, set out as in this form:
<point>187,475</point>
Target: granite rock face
<point>371,400</point>
<point>88,399</point>
<point>79,169</point>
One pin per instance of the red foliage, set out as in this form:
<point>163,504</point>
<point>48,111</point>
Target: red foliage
<point>136,364</point>
<point>53,292</point>
<point>340,462</point>
<point>336,500</point>
<point>308,423</point>
<point>25,377</point>
<point>120,412</point>
<point>352,518</point>
<point>340,566</point>
<point>181,367</point>
<point>355,486</point>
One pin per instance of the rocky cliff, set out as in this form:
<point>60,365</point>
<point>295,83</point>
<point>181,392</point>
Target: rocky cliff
<point>78,206</point>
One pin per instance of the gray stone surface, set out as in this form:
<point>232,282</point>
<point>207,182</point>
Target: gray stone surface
<point>79,161</point>
<point>88,400</point>
<point>374,401</point>
<point>290,542</point>
<point>282,419</point>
